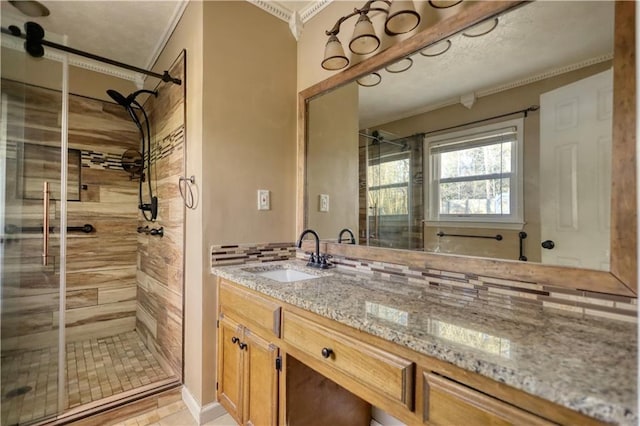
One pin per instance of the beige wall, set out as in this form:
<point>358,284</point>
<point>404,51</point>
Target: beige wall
<point>241,125</point>
<point>333,161</point>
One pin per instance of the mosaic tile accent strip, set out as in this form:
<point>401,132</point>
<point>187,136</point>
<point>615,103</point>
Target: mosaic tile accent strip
<point>96,368</point>
<point>111,161</point>
<point>101,160</point>
<point>252,252</point>
<point>168,144</point>
<point>582,303</point>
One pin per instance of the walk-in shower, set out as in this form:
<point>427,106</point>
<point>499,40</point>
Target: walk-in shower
<point>145,140</point>
<point>100,323</point>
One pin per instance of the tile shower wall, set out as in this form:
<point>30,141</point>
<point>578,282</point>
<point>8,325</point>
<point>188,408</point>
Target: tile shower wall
<point>101,265</point>
<point>160,275</point>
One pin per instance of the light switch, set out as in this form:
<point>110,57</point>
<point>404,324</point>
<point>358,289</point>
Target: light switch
<point>263,199</point>
<point>324,202</point>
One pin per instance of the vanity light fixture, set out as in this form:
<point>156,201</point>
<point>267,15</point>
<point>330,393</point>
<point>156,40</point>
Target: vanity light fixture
<point>436,49</point>
<point>401,18</point>
<point>369,80</point>
<point>484,27</point>
<point>444,4</point>
<point>399,66</point>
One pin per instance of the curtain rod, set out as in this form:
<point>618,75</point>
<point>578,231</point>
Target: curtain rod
<point>525,111</point>
<point>34,40</point>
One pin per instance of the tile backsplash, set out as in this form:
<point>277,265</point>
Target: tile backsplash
<point>578,302</point>
<point>237,254</point>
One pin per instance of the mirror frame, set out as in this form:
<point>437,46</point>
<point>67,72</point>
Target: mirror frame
<point>622,277</point>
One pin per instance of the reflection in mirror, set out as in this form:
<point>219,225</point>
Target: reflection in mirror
<point>454,152</point>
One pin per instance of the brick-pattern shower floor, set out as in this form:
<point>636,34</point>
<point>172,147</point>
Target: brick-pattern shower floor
<point>96,369</point>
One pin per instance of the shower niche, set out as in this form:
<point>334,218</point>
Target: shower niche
<point>37,163</point>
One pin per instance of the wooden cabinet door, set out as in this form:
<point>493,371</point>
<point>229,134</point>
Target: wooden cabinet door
<point>260,381</point>
<point>229,386</point>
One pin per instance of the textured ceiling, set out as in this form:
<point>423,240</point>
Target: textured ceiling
<point>127,31</point>
<point>533,39</point>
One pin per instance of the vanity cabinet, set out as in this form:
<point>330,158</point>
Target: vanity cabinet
<point>447,402</point>
<point>388,375</point>
<point>280,364</point>
<point>248,357</point>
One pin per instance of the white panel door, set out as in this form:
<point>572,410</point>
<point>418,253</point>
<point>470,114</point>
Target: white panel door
<point>575,172</point>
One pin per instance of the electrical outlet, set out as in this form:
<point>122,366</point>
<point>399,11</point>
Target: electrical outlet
<point>263,199</point>
<point>324,202</point>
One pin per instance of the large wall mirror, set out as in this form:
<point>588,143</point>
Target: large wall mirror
<point>497,146</point>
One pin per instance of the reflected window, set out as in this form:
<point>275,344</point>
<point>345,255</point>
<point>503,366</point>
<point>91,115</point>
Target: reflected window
<point>475,174</point>
<point>388,178</point>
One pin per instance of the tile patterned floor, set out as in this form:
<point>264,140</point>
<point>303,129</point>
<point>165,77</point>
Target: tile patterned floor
<point>175,414</point>
<point>96,369</point>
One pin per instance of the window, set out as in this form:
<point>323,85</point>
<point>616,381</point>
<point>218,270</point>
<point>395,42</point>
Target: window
<point>475,175</point>
<point>388,179</point>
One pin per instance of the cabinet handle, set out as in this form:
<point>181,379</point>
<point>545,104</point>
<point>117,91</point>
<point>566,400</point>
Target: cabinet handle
<point>327,352</point>
<point>242,346</point>
<point>234,339</point>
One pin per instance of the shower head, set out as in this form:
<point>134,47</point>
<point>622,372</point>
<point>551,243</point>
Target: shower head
<point>127,101</point>
<point>118,97</point>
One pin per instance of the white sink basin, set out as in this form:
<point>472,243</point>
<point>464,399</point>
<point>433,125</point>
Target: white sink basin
<point>286,275</point>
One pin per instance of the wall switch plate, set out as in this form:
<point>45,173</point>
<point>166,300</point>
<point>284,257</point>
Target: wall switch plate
<point>324,202</point>
<point>264,203</point>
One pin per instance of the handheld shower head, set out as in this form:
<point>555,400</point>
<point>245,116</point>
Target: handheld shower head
<point>118,97</point>
<point>127,101</point>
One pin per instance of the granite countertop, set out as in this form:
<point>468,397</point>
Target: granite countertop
<point>586,364</point>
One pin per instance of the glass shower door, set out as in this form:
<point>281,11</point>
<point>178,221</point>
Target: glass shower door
<point>30,212</point>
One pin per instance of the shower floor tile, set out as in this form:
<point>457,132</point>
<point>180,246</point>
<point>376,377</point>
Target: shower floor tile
<point>96,369</point>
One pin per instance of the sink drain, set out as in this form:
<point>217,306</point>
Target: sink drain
<point>17,392</point>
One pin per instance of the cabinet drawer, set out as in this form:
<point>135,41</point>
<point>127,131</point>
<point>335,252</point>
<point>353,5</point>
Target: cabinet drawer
<point>250,309</point>
<point>447,403</point>
<point>381,371</point>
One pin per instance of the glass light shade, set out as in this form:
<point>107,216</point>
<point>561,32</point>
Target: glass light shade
<point>436,49</point>
<point>334,58</point>
<point>484,27</point>
<point>364,38</point>
<point>444,4</point>
<point>402,17</point>
<point>400,66</point>
<point>370,80</point>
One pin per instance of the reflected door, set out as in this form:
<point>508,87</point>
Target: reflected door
<point>575,170</point>
<point>30,247</point>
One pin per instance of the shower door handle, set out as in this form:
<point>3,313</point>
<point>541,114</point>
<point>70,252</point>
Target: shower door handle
<point>45,224</point>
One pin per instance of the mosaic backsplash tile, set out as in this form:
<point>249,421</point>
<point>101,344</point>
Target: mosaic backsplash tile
<point>581,303</point>
<point>578,302</point>
<point>251,252</point>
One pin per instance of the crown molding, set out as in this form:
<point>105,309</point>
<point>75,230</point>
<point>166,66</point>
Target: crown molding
<point>275,9</point>
<point>495,89</point>
<point>279,10</point>
<point>313,9</point>
<point>544,75</point>
<point>162,41</point>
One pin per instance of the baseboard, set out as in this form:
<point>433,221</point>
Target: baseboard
<point>204,414</point>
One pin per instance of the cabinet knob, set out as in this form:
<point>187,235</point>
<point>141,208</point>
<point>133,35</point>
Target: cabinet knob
<point>234,339</point>
<point>242,346</point>
<point>327,352</point>
<point>548,244</point>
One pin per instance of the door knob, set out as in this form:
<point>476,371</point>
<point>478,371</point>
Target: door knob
<point>548,244</point>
